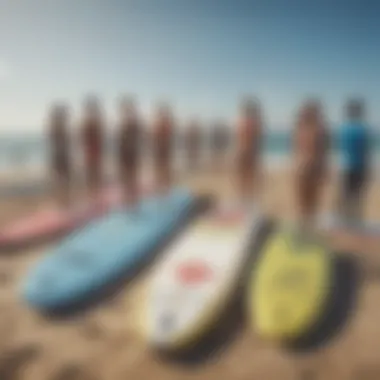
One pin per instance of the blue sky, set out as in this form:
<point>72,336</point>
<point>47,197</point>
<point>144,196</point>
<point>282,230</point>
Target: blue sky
<point>201,55</point>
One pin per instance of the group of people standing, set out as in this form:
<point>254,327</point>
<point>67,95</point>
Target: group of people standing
<point>131,138</point>
<point>311,142</point>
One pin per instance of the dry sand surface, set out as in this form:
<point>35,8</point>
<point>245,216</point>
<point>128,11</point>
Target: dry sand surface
<point>104,343</point>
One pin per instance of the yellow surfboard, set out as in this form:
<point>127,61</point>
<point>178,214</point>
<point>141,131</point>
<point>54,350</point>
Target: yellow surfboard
<point>289,286</point>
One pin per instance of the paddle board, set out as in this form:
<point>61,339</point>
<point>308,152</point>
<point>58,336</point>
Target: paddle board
<point>104,250</point>
<point>289,285</point>
<point>192,284</point>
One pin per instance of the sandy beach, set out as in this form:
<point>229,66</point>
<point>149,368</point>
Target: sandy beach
<point>104,344</point>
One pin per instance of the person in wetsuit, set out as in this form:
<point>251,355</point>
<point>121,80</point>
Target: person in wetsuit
<point>248,151</point>
<point>60,161</point>
<point>92,135</point>
<point>163,130</point>
<point>355,144</point>
<point>311,144</point>
<point>193,144</point>
<point>129,139</point>
<point>219,143</point>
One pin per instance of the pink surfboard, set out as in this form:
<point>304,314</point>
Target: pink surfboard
<point>57,221</point>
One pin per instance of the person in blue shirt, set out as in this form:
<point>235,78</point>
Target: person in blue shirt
<point>354,143</point>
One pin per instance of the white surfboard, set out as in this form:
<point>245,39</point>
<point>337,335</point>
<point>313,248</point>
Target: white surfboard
<point>334,221</point>
<point>193,283</point>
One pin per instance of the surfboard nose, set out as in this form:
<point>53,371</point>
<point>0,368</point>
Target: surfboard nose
<point>37,292</point>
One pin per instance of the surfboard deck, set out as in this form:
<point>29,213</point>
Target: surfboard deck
<point>104,250</point>
<point>46,223</point>
<point>290,285</point>
<point>193,282</point>
<point>55,221</point>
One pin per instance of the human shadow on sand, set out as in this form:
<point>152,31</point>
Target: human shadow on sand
<point>108,293</point>
<point>232,319</point>
<point>339,307</point>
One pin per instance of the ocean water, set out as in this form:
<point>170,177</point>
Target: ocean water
<point>29,151</point>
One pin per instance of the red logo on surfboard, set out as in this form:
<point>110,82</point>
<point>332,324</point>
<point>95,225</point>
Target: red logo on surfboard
<point>194,272</point>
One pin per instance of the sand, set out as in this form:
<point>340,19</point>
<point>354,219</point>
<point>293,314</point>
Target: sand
<point>104,343</point>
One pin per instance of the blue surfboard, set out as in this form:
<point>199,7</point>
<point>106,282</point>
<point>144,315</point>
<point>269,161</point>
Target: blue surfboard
<point>97,255</point>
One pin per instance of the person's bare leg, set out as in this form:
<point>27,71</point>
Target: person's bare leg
<point>304,201</point>
<point>313,190</point>
<point>65,193</point>
<point>61,191</point>
<point>245,185</point>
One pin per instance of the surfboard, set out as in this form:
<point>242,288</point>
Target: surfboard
<point>363,227</point>
<point>55,221</point>
<point>195,279</point>
<point>289,285</point>
<point>104,250</point>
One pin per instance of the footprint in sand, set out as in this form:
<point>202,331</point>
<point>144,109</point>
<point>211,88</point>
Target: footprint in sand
<point>72,372</point>
<point>15,360</point>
